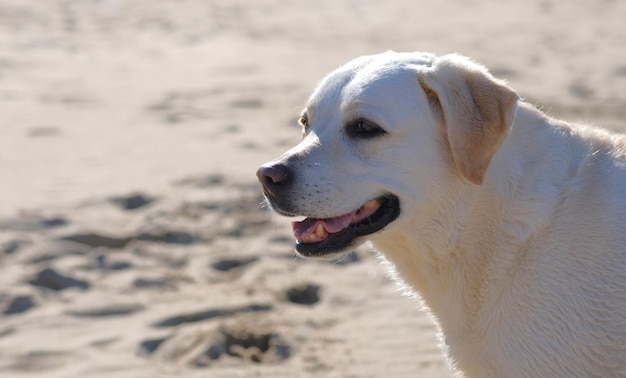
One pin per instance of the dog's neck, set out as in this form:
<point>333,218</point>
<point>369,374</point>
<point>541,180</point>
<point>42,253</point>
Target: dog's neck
<point>450,253</point>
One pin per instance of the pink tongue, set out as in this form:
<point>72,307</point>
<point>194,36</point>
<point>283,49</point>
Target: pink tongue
<point>332,225</point>
<point>309,226</point>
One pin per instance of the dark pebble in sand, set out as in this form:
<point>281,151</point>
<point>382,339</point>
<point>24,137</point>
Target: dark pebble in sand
<point>12,246</point>
<point>133,201</point>
<point>103,263</point>
<point>228,264</point>
<point>19,305</point>
<point>148,347</point>
<point>150,283</point>
<point>307,294</point>
<point>51,279</point>
<point>54,222</point>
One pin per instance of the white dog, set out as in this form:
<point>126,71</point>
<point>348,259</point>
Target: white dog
<point>510,225</point>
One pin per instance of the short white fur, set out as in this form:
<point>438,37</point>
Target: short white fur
<point>515,242</point>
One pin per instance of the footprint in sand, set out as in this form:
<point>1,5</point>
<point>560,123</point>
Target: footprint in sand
<point>201,182</point>
<point>211,314</point>
<point>13,246</point>
<point>39,361</point>
<point>106,310</point>
<point>246,343</point>
<point>240,339</point>
<point>95,240</point>
<point>169,237</point>
<point>30,222</point>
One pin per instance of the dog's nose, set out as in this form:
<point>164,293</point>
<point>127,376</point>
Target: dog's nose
<point>273,176</point>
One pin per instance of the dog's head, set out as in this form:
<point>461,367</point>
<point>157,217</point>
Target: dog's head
<point>383,137</point>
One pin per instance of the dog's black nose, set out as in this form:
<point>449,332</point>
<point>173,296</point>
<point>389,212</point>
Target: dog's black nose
<point>273,177</point>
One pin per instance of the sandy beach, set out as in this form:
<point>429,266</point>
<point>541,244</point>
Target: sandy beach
<point>133,242</point>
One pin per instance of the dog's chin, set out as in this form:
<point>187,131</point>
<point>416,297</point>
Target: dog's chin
<point>322,251</point>
<point>371,218</point>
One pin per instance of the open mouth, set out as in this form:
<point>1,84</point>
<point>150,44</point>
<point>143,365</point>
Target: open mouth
<point>320,237</point>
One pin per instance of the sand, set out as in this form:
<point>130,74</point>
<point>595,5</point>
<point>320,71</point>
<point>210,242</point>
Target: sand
<point>132,239</point>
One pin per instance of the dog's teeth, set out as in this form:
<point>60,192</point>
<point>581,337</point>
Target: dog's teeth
<point>320,231</point>
<point>371,204</point>
<point>298,218</point>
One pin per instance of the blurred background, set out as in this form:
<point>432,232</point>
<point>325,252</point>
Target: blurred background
<point>132,239</point>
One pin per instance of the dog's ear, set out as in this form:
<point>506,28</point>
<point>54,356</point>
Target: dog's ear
<point>476,108</point>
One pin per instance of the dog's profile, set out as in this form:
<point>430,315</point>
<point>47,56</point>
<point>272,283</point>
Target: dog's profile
<point>510,225</point>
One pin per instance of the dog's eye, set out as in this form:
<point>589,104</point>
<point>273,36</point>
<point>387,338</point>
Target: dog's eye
<point>304,122</point>
<point>364,129</point>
